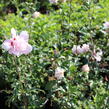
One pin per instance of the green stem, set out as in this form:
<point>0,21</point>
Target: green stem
<point>17,65</point>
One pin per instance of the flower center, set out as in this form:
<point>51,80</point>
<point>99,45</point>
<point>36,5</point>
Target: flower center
<point>12,44</point>
<point>14,39</point>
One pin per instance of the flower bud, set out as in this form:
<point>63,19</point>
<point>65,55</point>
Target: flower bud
<point>36,14</point>
<point>59,73</point>
<point>85,68</point>
<point>53,1</point>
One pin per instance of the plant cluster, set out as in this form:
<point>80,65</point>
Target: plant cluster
<point>58,60</point>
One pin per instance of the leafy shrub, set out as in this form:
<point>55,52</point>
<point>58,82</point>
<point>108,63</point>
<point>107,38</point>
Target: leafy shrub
<point>31,77</point>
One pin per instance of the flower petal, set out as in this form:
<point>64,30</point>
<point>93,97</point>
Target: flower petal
<point>24,35</point>
<point>17,53</point>
<point>13,32</point>
<point>28,49</point>
<point>106,25</point>
<point>6,45</point>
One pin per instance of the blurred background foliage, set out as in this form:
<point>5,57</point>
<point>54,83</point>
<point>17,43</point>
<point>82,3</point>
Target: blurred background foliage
<point>52,35</point>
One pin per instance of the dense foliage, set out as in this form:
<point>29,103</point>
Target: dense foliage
<point>30,81</point>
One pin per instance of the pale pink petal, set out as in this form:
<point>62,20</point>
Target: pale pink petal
<point>20,45</point>
<point>6,45</point>
<point>28,49</point>
<point>17,53</point>
<point>24,35</point>
<point>97,57</point>
<point>85,48</point>
<point>106,25</point>
<point>13,32</point>
<point>79,50</point>
<point>100,53</point>
<point>74,49</point>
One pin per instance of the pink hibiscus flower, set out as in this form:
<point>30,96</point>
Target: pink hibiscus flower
<point>18,44</point>
<point>106,25</point>
<point>85,48</point>
<point>97,55</point>
<point>77,49</point>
